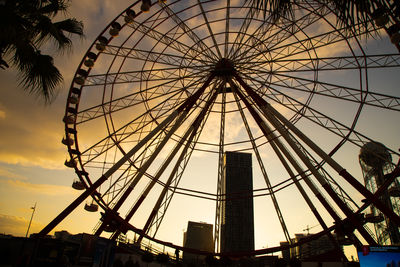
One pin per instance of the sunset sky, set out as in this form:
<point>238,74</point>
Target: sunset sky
<point>32,157</point>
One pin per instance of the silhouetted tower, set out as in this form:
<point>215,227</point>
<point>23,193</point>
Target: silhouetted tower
<point>237,221</point>
<point>375,161</point>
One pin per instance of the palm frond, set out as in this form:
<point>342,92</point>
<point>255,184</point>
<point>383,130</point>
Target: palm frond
<point>53,7</point>
<point>276,8</point>
<point>24,53</point>
<point>57,32</point>
<point>42,77</point>
<point>355,15</point>
<point>72,26</point>
<point>25,26</point>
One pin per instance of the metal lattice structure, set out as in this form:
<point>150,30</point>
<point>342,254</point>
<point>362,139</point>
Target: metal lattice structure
<point>161,95</point>
<point>375,163</point>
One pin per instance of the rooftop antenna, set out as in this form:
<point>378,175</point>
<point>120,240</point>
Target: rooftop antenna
<point>29,225</point>
<point>308,228</point>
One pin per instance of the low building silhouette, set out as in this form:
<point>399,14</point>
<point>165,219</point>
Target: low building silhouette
<point>198,236</point>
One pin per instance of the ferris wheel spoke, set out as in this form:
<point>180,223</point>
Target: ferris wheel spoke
<point>163,137</point>
<point>101,148</point>
<point>156,57</point>
<point>227,19</point>
<point>263,171</point>
<point>266,39</point>
<point>312,43</point>
<point>280,123</point>
<point>171,40</point>
<point>318,117</point>
<point>307,162</point>
<point>188,32</point>
<point>134,127</point>
<point>121,103</point>
<point>279,148</point>
<point>160,208</point>
<point>209,28</point>
<point>331,63</point>
<point>220,172</point>
<point>117,186</point>
<point>244,28</point>
<point>337,91</point>
<point>173,91</point>
<point>178,116</point>
<point>168,74</point>
<point>189,134</point>
<point>290,49</point>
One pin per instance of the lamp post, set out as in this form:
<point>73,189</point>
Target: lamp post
<point>29,225</point>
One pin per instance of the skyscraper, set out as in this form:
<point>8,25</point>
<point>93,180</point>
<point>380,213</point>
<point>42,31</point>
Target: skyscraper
<point>237,219</point>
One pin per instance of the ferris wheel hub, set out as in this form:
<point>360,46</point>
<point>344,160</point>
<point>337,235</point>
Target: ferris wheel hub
<point>224,67</point>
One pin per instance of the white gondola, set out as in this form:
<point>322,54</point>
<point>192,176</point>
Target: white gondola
<point>91,207</point>
<point>91,58</point>
<point>130,16</point>
<point>76,91</point>
<point>115,28</point>
<point>73,100</point>
<point>78,185</point>
<point>81,76</point>
<point>145,7</point>
<point>102,42</point>
<point>67,141</point>
<point>69,119</point>
<point>70,163</point>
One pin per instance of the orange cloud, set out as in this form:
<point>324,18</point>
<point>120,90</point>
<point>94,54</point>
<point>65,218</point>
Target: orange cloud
<point>17,226</point>
<point>40,189</point>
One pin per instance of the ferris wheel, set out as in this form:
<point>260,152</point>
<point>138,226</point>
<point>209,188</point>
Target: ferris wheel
<point>168,88</point>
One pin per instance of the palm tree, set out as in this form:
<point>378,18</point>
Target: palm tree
<point>356,15</point>
<point>26,26</point>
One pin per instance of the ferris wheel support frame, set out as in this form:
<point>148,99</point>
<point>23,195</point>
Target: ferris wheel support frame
<point>341,171</point>
<point>278,148</point>
<point>181,111</point>
<point>192,132</point>
<point>296,182</point>
<point>190,101</point>
<point>92,189</point>
<point>263,171</point>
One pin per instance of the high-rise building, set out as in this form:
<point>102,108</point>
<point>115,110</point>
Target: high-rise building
<point>237,216</point>
<point>199,235</point>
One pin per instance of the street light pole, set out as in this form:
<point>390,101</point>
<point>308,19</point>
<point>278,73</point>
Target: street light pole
<point>29,225</point>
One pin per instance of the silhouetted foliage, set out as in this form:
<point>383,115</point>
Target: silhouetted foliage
<point>26,25</point>
<point>355,14</point>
